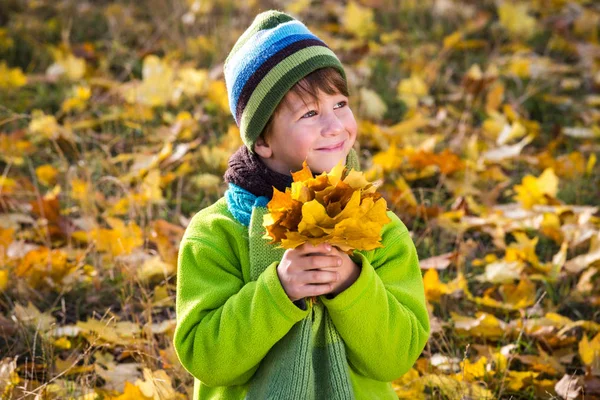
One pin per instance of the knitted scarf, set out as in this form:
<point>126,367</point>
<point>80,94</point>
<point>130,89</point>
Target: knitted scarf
<point>309,362</point>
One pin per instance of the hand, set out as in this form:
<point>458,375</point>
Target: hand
<point>308,270</point>
<point>349,272</point>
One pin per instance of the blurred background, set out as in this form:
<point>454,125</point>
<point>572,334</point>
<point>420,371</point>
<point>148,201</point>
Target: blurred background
<point>481,118</point>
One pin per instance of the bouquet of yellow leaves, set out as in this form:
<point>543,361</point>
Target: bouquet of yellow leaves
<point>341,208</point>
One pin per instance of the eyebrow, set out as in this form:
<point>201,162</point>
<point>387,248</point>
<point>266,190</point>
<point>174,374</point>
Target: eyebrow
<point>304,104</point>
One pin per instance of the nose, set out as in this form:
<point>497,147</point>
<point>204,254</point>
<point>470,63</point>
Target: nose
<point>332,125</point>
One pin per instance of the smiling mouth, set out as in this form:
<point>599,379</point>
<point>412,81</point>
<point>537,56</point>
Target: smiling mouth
<point>335,147</point>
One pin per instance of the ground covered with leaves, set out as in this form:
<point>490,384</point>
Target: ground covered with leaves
<point>481,119</point>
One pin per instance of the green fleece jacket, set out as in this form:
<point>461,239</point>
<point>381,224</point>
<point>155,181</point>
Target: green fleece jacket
<point>227,322</point>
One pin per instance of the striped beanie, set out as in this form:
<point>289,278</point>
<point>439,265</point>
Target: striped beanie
<point>270,57</point>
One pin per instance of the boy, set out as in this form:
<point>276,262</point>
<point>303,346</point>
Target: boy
<point>244,329</point>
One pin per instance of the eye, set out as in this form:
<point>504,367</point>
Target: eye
<point>341,104</point>
<point>309,114</point>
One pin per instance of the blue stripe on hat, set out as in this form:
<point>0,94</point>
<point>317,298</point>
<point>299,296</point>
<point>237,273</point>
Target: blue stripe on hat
<point>255,63</point>
<point>258,47</point>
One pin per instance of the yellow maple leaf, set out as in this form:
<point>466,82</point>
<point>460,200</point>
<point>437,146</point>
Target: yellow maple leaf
<point>11,77</point>
<point>409,386</point>
<point>131,392</point>
<point>192,82</point>
<point>453,39</point>
<point>390,159</point>
<point>519,296</point>
<point>434,288</point>
<point>44,125</point>
<point>68,65</point>
<point>217,93</point>
<point>343,211</point>
<point>515,19</point>
<point>46,174</point>
<point>453,389</point>
<point>484,325</point>
<point>43,265</point>
<point>523,250</point>
<point>122,239</point>
<point>410,90</point>
<point>517,379</point>
<point>539,190</point>
<point>470,371</point>
<point>359,20</point>
<point>371,104</point>
<point>78,99</point>
<point>150,187</point>
<point>157,86</point>
<point>3,280</point>
<point>589,350</point>
<point>520,67</point>
<point>7,185</point>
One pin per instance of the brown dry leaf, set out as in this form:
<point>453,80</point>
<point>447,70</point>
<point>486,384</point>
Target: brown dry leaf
<point>120,333</point>
<point>155,269</point>
<point>446,161</point>
<point>583,261</point>
<point>8,375</point>
<point>568,387</point>
<point>157,386</point>
<point>440,262</point>
<point>116,375</point>
<point>32,316</point>
<point>167,237</point>
<point>494,97</point>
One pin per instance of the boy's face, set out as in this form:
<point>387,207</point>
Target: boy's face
<point>322,134</point>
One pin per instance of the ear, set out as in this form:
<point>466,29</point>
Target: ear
<point>262,148</point>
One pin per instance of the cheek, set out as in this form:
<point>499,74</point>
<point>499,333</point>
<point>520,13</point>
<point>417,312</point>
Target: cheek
<point>351,124</point>
<point>299,140</point>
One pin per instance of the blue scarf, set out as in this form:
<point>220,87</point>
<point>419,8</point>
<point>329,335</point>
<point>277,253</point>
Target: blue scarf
<point>240,203</point>
<point>251,182</point>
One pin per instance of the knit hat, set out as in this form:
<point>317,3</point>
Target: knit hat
<point>270,57</point>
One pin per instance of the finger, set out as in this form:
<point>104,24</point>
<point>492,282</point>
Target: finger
<point>316,289</point>
<point>319,277</point>
<point>309,248</point>
<point>318,262</point>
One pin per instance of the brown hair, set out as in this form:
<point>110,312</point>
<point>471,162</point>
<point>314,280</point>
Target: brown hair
<point>328,80</point>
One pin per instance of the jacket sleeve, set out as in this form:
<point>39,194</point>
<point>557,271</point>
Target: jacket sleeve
<point>225,327</point>
<point>383,316</point>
